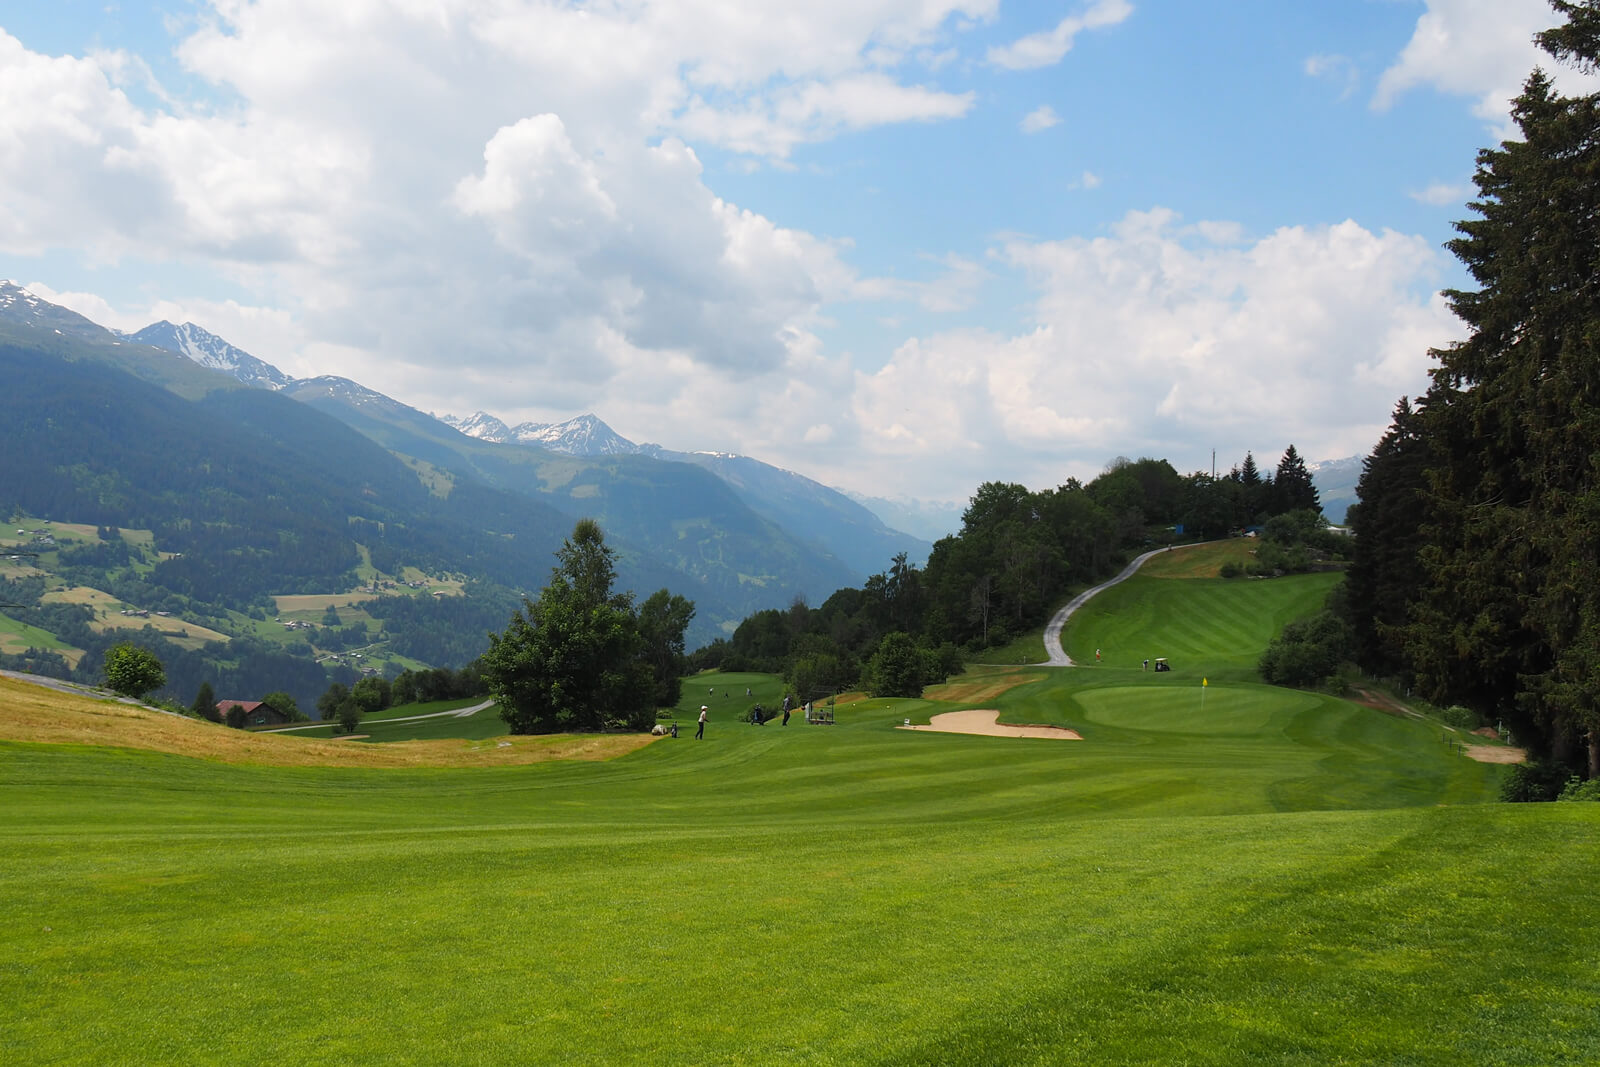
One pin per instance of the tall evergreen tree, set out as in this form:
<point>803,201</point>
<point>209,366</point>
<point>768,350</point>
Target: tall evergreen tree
<point>205,703</point>
<point>1292,488</point>
<point>1383,580</point>
<point>1510,609</point>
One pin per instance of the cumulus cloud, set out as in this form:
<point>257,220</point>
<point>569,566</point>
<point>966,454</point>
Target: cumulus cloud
<point>1441,194</point>
<point>1045,48</point>
<point>493,204</point>
<point>505,185</point>
<point>774,124</point>
<point>1480,50</point>
<point>1040,118</point>
<point>1161,333</point>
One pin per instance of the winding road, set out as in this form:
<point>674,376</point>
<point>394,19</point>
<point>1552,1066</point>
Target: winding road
<point>460,713</point>
<point>1052,631</point>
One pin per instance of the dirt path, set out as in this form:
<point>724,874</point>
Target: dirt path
<point>987,723</point>
<point>1371,698</point>
<point>1052,631</point>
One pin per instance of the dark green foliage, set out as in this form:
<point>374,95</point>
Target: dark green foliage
<point>335,697</point>
<point>205,703</point>
<point>663,619</point>
<point>235,717</point>
<point>349,715</point>
<point>1577,789</point>
<point>1292,488</point>
<point>371,695</point>
<point>1504,615</point>
<point>1386,528</point>
<point>133,670</point>
<point>1307,653</point>
<point>896,669</point>
<point>1533,782</point>
<point>286,705</point>
<point>576,659</point>
<point>437,683</point>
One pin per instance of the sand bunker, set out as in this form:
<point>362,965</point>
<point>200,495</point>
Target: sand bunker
<point>1495,754</point>
<point>986,722</point>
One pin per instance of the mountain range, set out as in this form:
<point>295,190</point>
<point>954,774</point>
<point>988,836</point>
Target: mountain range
<point>739,535</point>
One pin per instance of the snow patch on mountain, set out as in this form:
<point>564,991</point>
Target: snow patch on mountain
<point>482,425</point>
<point>209,350</point>
<point>583,435</point>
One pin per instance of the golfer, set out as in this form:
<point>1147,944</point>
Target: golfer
<point>700,731</point>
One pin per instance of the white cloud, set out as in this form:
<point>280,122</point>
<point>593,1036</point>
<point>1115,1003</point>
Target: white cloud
<point>1046,48</point>
<point>1160,334</point>
<point>1442,194</point>
<point>1090,180</point>
<point>1040,118</point>
<point>1478,48</point>
<point>446,183</point>
<point>1340,70</point>
<point>775,124</point>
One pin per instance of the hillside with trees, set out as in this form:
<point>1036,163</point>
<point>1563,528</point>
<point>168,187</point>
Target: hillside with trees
<point>1018,556</point>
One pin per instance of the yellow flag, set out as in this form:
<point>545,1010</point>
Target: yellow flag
<point>1204,683</point>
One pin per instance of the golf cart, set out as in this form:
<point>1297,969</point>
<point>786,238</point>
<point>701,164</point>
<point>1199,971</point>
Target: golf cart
<point>1162,664</point>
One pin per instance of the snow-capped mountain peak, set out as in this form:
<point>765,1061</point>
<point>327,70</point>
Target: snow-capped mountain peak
<point>482,425</point>
<point>209,350</point>
<point>583,435</point>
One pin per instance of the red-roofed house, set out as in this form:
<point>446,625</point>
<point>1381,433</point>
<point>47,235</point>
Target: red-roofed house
<point>255,712</point>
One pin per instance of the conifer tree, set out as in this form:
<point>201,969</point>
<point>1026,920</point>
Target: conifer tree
<point>1382,581</point>
<point>1510,609</point>
<point>1292,488</point>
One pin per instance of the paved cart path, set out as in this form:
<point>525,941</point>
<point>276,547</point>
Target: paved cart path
<point>1052,632</point>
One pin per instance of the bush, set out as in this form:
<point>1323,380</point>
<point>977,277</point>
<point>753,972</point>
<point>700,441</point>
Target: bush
<point>1578,789</point>
<point>1232,569</point>
<point>1459,717</point>
<point>1307,653</point>
<point>1532,782</point>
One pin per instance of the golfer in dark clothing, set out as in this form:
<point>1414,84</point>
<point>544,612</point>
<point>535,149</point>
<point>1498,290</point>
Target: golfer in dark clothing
<point>786,703</point>
<point>700,731</point>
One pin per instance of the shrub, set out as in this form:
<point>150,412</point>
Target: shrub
<point>1231,569</point>
<point>1459,717</point>
<point>1532,782</point>
<point>1578,789</point>
<point>1307,653</point>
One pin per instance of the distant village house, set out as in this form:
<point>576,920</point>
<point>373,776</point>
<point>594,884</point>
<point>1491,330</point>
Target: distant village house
<point>255,712</point>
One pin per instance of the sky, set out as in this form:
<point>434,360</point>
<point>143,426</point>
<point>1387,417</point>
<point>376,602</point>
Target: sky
<point>903,247</point>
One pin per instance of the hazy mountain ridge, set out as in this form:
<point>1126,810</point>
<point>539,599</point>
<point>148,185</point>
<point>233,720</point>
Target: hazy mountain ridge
<point>1336,480</point>
<point>674,524</point>
<point>809,509</point>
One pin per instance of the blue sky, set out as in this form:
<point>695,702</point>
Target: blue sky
<point>901,246</point>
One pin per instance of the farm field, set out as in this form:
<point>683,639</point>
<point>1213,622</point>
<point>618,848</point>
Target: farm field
<point>1270,877</point>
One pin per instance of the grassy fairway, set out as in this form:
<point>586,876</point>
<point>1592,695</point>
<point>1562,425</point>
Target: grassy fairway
<point>1278,878</point>
<point>1207,626</point>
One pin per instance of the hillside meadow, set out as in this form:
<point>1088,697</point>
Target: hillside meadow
<point>1215,875</point>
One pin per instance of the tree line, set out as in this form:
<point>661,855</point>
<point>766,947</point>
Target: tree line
<point>1478,523</point>
<point>1014,560</point>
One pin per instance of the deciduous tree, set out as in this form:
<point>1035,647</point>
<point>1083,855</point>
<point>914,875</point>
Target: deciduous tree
<point>133,670</point>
